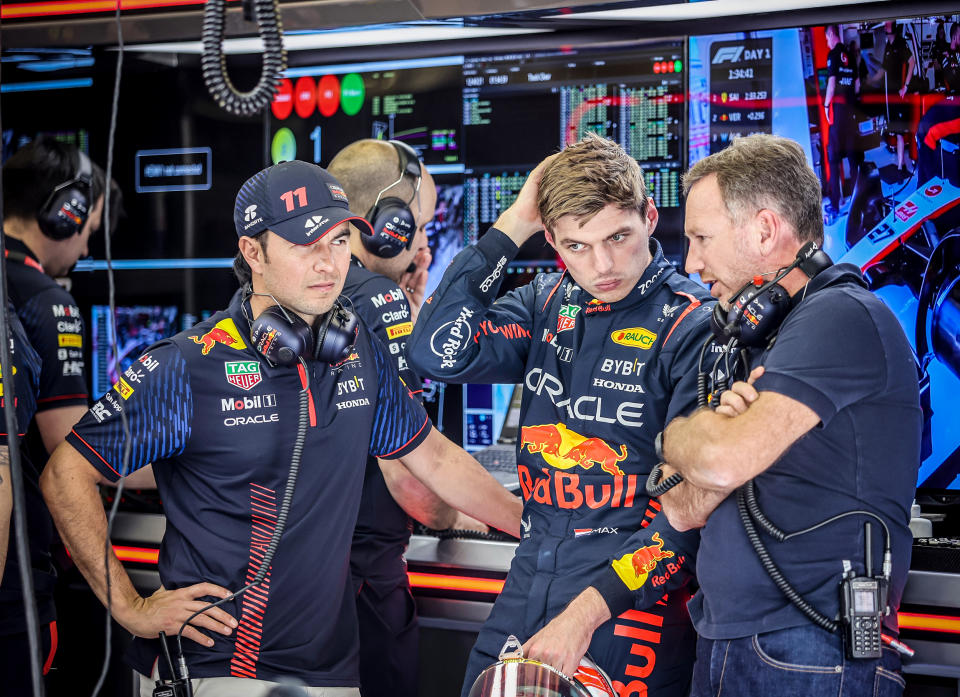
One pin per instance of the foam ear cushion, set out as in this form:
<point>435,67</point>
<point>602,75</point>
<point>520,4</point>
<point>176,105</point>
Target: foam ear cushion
<point>393,228</point>
<point>336,335</point>
<point>281,337</point>
<point>67,208</point>
<point>64,214</point>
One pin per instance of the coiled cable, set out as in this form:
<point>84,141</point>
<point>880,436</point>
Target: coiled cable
<point>214,62</point>
<point>773,571</point>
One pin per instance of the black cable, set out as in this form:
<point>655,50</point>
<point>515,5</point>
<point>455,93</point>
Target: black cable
<point>701,375</point>
<point>717,385</point>
<point>456,534</point>
<point>750,512</point>
<point>304,420</point>
<point>781,536</point>
<point>166,653</point>
<point>773,571</point>
<point>111,286</point>
<point>214,62</point>
<point>19,515</point>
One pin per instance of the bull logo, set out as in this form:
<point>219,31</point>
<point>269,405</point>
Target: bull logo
<point>634,568</point>
<point>224,332</point>
<point>563,448</point>
<point>596,451</point>
<point>645,559</point>
<point>541,439</point>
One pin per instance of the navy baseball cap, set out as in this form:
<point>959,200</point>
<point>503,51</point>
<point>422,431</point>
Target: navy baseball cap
<point>299,201</point>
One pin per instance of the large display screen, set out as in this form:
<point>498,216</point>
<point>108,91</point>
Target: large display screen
<point>321,109</point>
<point>519,108</point>
<point>138,328</point>
<point>888,158</point>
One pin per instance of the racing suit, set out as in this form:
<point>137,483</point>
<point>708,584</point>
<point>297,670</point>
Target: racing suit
<point>600,381</point>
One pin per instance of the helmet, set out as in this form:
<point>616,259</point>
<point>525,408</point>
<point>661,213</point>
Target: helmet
<point>516,676</point>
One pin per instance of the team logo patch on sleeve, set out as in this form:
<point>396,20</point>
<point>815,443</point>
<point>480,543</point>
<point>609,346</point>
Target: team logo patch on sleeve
<point>634,568</point>
<point>224,332</point>
<point>123,387</point>
<point>395,331</point>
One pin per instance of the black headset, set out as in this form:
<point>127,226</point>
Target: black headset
<point>757,310</point>
<point>283,337</point>
<point>67,208</point>
<point>394,224</point>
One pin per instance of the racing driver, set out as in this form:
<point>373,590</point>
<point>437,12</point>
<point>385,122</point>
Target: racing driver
<point>607,354</point>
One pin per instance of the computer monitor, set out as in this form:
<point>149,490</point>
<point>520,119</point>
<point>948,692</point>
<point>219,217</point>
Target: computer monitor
<point>138,328</point>
<point>491,414</point>
<point>520,107</point>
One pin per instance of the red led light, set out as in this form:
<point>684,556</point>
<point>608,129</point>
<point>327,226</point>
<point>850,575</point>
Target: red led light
<point>282,103</point>
<point>456,583</point>
<point>140,555</point>
<point>23,10</point>
<point>930,623</point>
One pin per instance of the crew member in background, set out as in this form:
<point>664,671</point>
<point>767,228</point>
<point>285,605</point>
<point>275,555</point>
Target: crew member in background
<point>951,61</point>
<point>53,201</point>
<point>607,353</point>
<point>843,84</point>
<point>14,648</point>
<point>938,52</point>
<point>829,421</point>
<point>898,66</point>
<point>385,283</point>
<point>217,409</point>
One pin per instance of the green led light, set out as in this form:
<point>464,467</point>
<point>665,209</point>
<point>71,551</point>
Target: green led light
<point>677,66</point>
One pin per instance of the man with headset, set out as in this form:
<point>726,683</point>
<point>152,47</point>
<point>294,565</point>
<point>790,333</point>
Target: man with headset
<point>385,283</point>
<point>828,422</point>
<point>225,411</point>
<point>52,201</point>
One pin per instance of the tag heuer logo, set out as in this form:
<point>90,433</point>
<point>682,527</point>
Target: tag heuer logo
<point>243,374</point>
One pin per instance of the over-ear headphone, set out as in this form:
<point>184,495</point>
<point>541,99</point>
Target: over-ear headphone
<point>394,224</point>
<point>67,208</point>
<point>758,309</point>
<point>283,338</point>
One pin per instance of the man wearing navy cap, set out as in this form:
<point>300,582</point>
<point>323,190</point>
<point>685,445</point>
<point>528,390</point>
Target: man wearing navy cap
<point>217,409</point>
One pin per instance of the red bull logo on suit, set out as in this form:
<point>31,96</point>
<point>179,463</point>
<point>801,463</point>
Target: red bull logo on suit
<point>577,451</point>
<point>224,332</point>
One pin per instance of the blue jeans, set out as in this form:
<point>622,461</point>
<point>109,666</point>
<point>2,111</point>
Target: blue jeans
<point>795,662</point>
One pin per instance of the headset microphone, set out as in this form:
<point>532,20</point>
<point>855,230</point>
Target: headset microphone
<point>758,308</point>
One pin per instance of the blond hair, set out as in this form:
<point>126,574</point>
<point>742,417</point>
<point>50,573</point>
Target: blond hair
<point>588,176</point>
